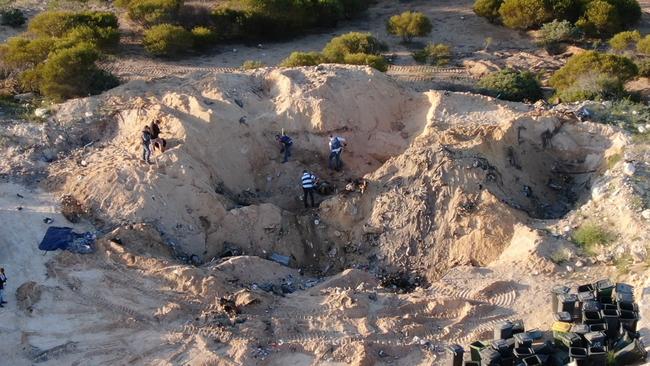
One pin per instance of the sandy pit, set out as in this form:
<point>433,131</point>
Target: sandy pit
<point>452,234</point>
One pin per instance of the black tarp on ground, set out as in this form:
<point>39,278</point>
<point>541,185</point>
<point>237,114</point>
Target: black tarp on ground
<point>66,239</point>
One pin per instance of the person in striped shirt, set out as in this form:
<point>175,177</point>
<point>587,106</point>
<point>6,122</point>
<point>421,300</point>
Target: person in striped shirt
<point>308,185</point>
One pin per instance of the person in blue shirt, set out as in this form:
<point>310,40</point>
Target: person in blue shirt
<point>3,280</point>
<point>285,143</point>
<point>146,144</point>
<point>336,148</point>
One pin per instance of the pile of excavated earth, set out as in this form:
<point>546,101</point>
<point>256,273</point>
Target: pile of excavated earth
<point>464,202</point>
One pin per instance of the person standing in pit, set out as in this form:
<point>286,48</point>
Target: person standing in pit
<point>336,148</point>
<point>308,185</point>
<point>146,144</point>
<point>285,143</point>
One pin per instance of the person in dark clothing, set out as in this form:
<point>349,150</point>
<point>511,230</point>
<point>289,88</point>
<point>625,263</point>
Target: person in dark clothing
<point>3,279</point>
<point>146,144</point>
<point>336,147</point>
<point>160,144</point>
<point>155,129</point>
<point>308,185</point>
<point>285,143</point>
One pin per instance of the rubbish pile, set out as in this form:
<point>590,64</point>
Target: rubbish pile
<point>595,325</point>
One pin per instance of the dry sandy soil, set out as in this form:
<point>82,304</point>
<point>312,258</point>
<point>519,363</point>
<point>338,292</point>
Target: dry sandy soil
<point>470,203</point>
<point>468,197</point>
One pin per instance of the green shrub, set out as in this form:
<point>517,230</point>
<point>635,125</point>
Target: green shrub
<point>560,256</point>
<point>203,37</point>
<point>302,59</point>
<point>167,40</point>
<point>488,9</point>
<point>434,54</point>
<point>12,17</point>
<point>624,40</point>
<point>69,73</point>
<point>523,14</point>
<point>556,32</point>
<point>276,19</point>
<point>628,10</point>
<point>644,68</point>
<point>59,23</point>
<point>375,61</point>
<point>593,86</point>
<point>512,85</point>
<point>601,18</point>
<point>330,11</point>
<point>565,9</point>
<point>103,38</point>
<point>152,12</point>
<point>21,53</point>
<point>228,23</point>
<point>251,64</point>
<point>408,25</point>
<point>353,42</point>
<point>643,45</point>
<point>52,23</point>
<point>590,235</point>
<point>592,75</point>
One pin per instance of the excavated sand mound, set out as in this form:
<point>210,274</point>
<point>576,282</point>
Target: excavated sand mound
<point>449,175</point>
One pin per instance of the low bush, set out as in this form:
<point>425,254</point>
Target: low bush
<point>590,235</point>
<point>351,48</point>
<point>593,86</point>
<point>523,14</point>
<point>409,24</point>
<point>167,40</point>
<point>278,19</point>
<point>59,23</point>
<point>643,45</point>
<point>512,85</point>
<point>375,61</point>
<point>624,40</point>
<point>593,75</point>
<point>560,256</point>
<point>12,17</point>
<point>58,58</point>
<point>353,42</point>
<point>488,9</point>
<point>21,53</point>
<point>628,10</point>
<point>203,37</point>
<point>600,19</point>
<point>103,38</point>
<point>556,32</point>
<point>302,59</point>
<point>192,16</point>
<point>69,73</point>
<point>435,54</point>
<point>644,68</point>
<point>152,12</point>
<point>252,64</point>
<point>228,23</point>
<point>569,10</point>
<point>594,17</point>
